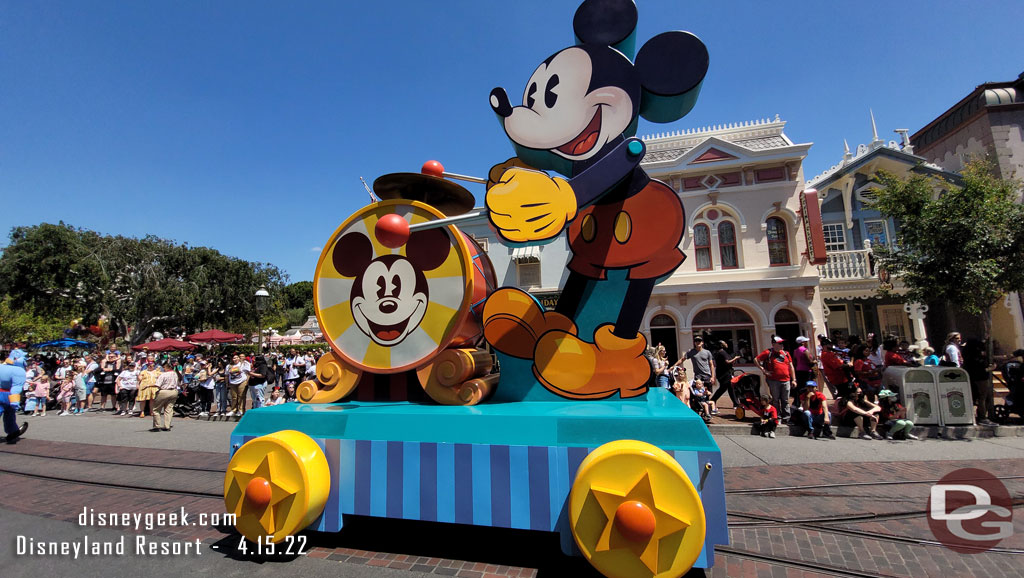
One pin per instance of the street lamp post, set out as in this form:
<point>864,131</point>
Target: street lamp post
<point>261,303</point>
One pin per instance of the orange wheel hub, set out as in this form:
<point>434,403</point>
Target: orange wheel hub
<point>635,521</point>
<point>258,492</point>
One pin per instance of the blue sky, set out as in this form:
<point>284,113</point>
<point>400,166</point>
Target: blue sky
<point>245,126</point>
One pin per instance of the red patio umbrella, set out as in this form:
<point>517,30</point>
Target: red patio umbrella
<point>165,345</point>
<point>215,336</point>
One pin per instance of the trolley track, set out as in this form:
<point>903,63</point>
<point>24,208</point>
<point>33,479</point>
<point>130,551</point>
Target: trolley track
<point>816,567</point>
<point>122,463</point>
<point>168,479</point>
<point>781,489</point>
<point>825,524</point>
<point>201,494</point>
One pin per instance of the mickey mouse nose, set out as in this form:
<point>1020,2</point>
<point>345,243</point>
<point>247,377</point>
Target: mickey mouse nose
<point>500,103</point>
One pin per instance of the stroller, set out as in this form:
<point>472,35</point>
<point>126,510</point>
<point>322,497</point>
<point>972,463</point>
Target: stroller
<point>1013,375</point>
<point>187,404</point>
<point>747,388</point>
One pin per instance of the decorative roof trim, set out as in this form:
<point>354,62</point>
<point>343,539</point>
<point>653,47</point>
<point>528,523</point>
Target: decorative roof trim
<point>735,131</point>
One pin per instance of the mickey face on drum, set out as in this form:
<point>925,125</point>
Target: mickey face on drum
<point>389,300</point>
<point>390,294</point>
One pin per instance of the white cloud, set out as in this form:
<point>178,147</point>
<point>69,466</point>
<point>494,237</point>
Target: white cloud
<point>316,249</point>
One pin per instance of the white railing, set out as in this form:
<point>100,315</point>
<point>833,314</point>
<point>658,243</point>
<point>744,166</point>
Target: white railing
<point>847,265</point>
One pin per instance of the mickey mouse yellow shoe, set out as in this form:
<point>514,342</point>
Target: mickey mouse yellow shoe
<point>574,368</point>
<point>514,321</point>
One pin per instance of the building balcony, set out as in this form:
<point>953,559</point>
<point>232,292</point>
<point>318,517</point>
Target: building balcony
<point>847,266</point>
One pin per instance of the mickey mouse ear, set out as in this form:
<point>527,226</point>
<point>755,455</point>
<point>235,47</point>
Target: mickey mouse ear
<point>671,66</point>
<point>608,23</point>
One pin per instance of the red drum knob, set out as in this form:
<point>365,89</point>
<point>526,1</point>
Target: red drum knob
<point>392,231</point>
<point>433,168</point>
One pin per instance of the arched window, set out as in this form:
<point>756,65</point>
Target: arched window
<point>727,245</point>
<point>663,332</point>
<point>786,316</point>
<point>663,321</point>
<point>787,326</point>
<point>732,325</point>
<point>702,246</point>
<point>778,245</point>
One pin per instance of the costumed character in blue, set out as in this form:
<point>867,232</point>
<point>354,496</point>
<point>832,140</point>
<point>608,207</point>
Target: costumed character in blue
<point>12,381</point>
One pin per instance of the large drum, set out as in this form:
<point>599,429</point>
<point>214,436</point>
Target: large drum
<point>388,310</point>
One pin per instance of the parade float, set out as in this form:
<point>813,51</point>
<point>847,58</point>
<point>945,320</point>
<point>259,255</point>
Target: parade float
<point>409,417</point>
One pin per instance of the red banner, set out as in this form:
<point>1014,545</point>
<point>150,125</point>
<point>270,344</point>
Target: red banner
<point>810,212</point>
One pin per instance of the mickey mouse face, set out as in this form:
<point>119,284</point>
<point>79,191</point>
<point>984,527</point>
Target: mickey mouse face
<point>390,299</point>
<point>563,113</point>
<point>580,101</point>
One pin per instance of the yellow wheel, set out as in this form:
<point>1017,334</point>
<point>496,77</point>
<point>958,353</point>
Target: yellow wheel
<point>740,414</point>
<point>634,512</point>
<point>276,485</point>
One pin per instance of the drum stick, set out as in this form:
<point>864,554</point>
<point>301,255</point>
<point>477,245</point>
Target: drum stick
<point>373,199</point>
<point>477,214</point>
<point>464,178</point>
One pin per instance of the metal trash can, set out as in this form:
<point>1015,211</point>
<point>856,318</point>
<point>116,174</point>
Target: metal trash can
<point>956,406</point>
<point>918,392</point>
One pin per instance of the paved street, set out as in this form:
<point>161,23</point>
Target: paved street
<point>847,524</point>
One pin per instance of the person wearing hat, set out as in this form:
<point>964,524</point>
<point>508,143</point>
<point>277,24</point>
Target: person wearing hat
<point>777,366</point>
<point>12,381</point>
<point>812,403</point>
<point>803,363</point>
<point>702,360</point>
<point>894,415</point>
<point>835,369</point>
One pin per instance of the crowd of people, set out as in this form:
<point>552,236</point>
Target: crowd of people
<point>220,385</point>
<point>796,380</point>
<point>146,384</point>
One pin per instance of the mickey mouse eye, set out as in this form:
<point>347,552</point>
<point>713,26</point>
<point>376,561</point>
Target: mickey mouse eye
<point>381,288</point>
<point>549,96</point>
<point>396,282</point>
<point>530,93</point>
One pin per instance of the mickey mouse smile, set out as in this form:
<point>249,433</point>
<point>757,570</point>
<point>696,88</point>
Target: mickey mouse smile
<point>586,140</point>
<point>389,332</point>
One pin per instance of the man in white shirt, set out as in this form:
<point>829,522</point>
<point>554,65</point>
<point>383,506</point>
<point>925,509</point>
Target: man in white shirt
<point>292,374</point>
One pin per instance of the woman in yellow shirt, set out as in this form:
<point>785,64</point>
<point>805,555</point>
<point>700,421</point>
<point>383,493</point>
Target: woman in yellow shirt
<point>147,386</point>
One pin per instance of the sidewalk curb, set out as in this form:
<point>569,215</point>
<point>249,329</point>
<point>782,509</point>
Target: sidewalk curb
<point>930,431</point>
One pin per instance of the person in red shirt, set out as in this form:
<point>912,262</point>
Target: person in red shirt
<point>813,406</point>
<point>777,366</point>
<point>836,369</point>
<point>769,418</point>
<point>869,375</point>
<point>892,355</point>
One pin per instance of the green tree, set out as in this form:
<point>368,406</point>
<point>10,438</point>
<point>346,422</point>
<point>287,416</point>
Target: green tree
<point>141,285</point>
<point>25,325</point>
<point>299,295</point>
<point>962,243</point>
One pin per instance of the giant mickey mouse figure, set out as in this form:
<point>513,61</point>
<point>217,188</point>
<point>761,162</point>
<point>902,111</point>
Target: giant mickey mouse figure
<point>578,117</point>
